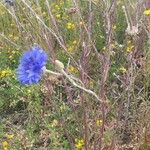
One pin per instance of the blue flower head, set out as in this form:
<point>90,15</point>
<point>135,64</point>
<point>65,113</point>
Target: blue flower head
<point>31,66</point>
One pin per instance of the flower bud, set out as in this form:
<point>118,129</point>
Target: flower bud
<point>59,65</point>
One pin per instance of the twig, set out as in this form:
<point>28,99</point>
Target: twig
<point>62,72</point>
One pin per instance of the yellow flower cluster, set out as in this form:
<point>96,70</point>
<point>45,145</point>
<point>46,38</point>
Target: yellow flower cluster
<point>70,26</point>
<point>2,10</point>
<point>54,123</point>
<point>9,136</point>
<point>72,69</point>
<point>57,7</point>
<point>5,145</point>
<point>74,42</point>
<point>29,92</point>
<point>104,48</point>
<point>146,12</point>
<point>129,47</point>
<point>58,16</point>
<point>44,14</point>
<point>119,2</point>
<point>70,49</point>
<point>114,27</point>
<point>72,46</point>
<point>79,143</point>
<point>5,73</point>
<point>90,84</point>
<point>13,37</point>
<point>57,10</point>
<point>99,122</point>
<point>123,70</point>
<point>12,53</point>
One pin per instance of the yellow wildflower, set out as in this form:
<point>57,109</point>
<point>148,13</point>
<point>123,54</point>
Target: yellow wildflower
<point>146,12</point>
<point>54,123</point>
<point>61,108</point>
<point>99,122</point>
<point>34,7</point>
<point>123,70</point>
<point>70,49</point>
<point>74,42</point>
<point>79,143</point>
<point>23,8</point>
<point>44,14</point>
<point>17,49</point>
<point>91,84</point>
<point>53,10</point>
<point>29,92</point>
<point>16,38</point>
<point>10,57</point>
<point>70,26</point>
<point>10,35</point>
<point>61,3</point>
<point>12,25</point>
<point>9,136</point>
<point>57,7</point>
<point>118,2</point>
<point>5,145</point>
<point>58,16</point>
<point>114,27</point>
<point>5,73</point>
<point>13,52</point>
<point>113,45</point>
<point>98,23</point>
<point>129,47</point>
<point>72,69</point>
<point>104,48</point>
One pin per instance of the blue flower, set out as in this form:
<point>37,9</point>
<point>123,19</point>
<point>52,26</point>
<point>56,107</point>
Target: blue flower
<point>31,66</point>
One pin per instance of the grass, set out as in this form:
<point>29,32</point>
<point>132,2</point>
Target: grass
<point>105,51</point>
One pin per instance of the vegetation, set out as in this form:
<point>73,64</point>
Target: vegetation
<point>100,100</point>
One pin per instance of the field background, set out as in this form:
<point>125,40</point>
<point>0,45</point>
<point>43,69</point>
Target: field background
<point>105,46</point>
